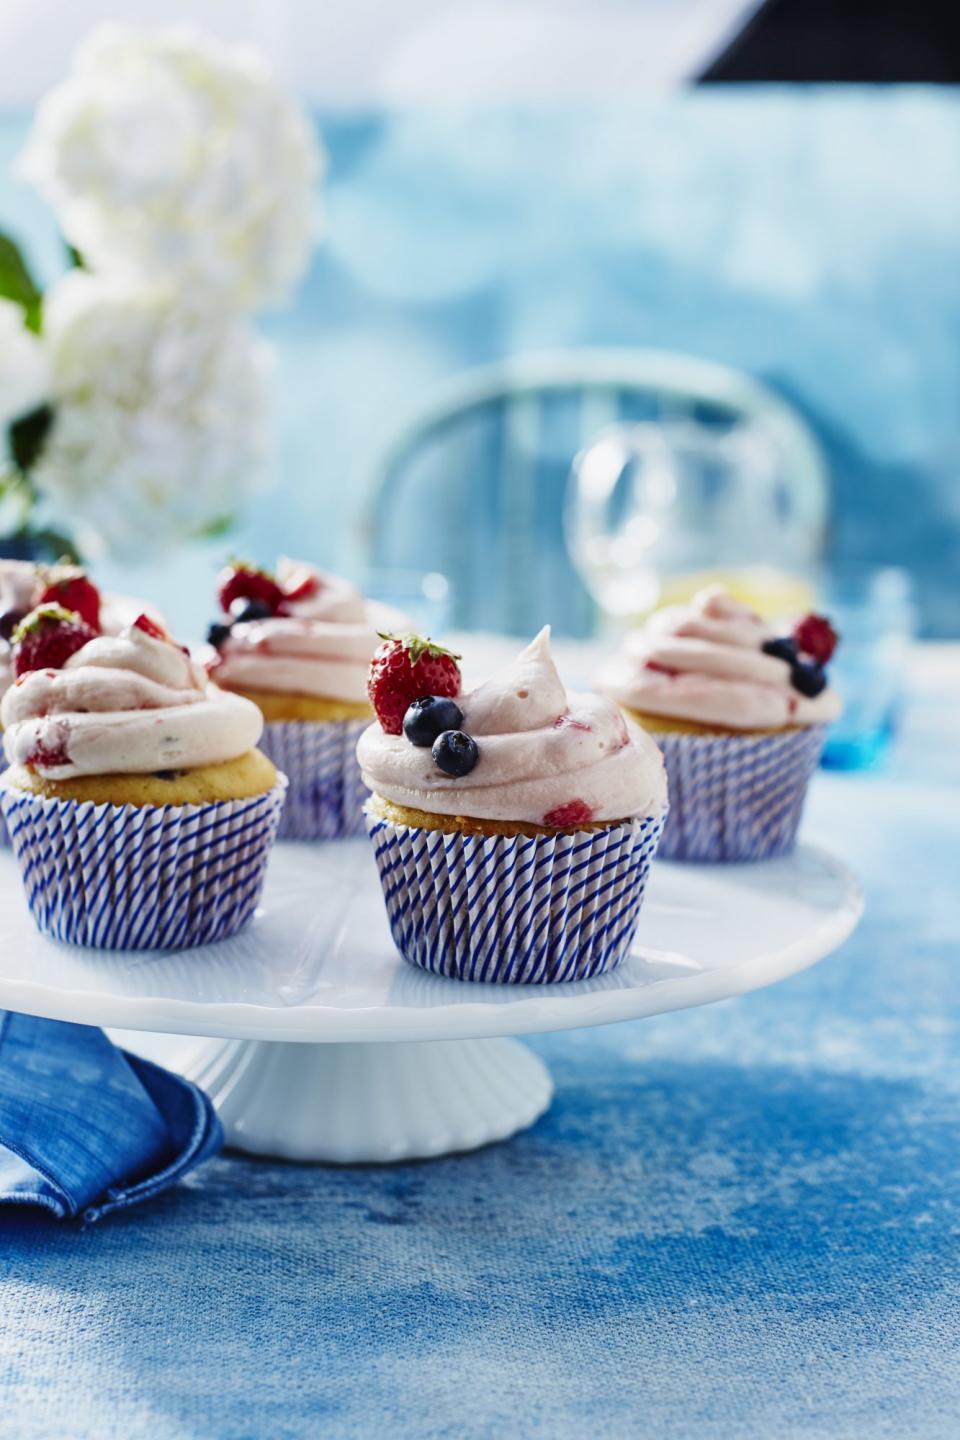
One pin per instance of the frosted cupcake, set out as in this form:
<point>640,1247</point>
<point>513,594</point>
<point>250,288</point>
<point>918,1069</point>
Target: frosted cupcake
<point>740,714</point>
<point>513,826</point>
<point>24,586</point>
<point>298,645</point>
<point>139,810</point>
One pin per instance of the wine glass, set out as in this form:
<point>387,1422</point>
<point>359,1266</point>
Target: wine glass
<point>655,510</point>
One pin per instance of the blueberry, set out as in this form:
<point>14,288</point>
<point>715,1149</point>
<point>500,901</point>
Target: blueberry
<point>9,621</point>
<point>455,753</point>
<point>217,634</point>
<point>782,649</point>
<point>427,717</point>
<point>807,677</point>
<point>244,610</point>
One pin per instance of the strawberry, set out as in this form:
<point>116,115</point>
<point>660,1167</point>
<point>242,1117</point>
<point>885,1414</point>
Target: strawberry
<point>301,584</point>
<point>68,586</point>
<point>565,817</point>
<point>816,637</point>
<point>403,669</point>
<point>306,590</point>
<point>151,628</point>
<point>241,582</point>
<point>155,630</point>
<point>569,722</point>
<point>49,753</point>
<point>47,637</point>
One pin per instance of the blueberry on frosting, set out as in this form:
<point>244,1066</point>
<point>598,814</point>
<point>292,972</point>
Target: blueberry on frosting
<point>455,753</point>
<point>782,648</point>
<point>806,651</point>
<point>808,678</point>
<point>217,633</point>
<point>429,716</point>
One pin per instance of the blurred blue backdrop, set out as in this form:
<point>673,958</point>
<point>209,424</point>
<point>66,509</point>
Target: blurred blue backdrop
<point>806,235</point>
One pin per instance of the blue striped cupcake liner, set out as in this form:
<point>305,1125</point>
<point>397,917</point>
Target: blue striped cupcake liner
<point>510,908</point>
<point>736,797</point>
<point>129,877</point>
<point>4,832</point>
<point>326,795</point>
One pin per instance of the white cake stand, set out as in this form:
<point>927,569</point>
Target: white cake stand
<point>327,1046</point>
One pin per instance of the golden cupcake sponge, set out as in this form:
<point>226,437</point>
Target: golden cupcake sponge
<point>241,779</point>
<point>669,725</point>
<point>470,825</point>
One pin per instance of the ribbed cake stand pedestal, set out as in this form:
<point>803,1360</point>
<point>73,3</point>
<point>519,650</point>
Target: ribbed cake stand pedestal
<point>317,1042</point>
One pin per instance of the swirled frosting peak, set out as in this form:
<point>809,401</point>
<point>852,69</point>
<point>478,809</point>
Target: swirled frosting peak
<point>132,703</point>
<point>705,662</point>
<point>318,643</point>
<point>527,696</point>
<point>546,756</point>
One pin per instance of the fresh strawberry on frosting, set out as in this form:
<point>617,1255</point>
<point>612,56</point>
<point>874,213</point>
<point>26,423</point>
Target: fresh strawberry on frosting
<point>47,637</point>
<point>71,587</point>
<point>404,668</point>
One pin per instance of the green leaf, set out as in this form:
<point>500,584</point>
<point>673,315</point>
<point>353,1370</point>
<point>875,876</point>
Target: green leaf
<point>74,256</point>
<point>215,529</point>
<point>17,284</point>
<point>418,645</point>
<point>27,436</point>
<point>16,500</point>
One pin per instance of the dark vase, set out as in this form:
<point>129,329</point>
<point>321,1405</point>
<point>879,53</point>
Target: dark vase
<point>23,547</point>
<point>43,546</point>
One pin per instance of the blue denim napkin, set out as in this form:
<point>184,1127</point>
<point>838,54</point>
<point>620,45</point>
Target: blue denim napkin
<point>86,1128</point>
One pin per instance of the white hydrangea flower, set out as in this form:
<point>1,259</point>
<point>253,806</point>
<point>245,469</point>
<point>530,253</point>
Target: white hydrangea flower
<point>168,156</point>
<point>24,379</point>
<point>161,423</point>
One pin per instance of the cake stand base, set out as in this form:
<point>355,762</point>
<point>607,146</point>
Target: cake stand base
<point>366,1103</point>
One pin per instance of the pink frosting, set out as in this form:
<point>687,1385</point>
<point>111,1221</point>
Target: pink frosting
<point>322,648</point>
<point>545,755</point>
<point>703,662</point>
<point>124,704</point>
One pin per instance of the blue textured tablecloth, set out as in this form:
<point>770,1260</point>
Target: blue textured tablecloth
<point>740,1221</point>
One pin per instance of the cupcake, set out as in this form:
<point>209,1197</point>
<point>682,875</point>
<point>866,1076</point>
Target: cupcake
<point>740,714</point>
<point>138,808</point>
<point>24,586</point>
<point>513,826</point>
<point>298,645</point>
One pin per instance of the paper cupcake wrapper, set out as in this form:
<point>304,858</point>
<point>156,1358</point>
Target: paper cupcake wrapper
<point>4,832</point>
<point>126,877</point>
<point>512,909</point>
<point>326,796</point>
<point>736,797</point>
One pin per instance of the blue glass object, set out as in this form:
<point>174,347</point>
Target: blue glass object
<point>656,510</point>
<point>874,613</point>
